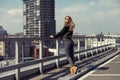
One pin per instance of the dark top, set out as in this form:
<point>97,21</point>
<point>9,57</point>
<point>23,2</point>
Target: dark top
<point>65,33</point>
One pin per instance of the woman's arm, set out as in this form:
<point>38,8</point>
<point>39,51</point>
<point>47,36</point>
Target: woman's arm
<point>62,32</point>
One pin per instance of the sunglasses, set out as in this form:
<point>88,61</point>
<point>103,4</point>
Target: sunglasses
<point>66,19</point>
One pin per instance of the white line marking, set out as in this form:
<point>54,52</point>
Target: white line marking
<point>115,62</point>
<point>89,73</point>
<point>104,75</point>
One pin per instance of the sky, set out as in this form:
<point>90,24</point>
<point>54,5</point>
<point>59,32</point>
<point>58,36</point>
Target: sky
<point>89,16</point>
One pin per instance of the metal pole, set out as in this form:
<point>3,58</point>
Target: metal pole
<point>40,56</point>
<point>91,43</point>
<point>86,47</point>
<point>101,43</point>
<point>85,43</point>
<point>22,52</point>
<point>96,44</point>
<point>16,53</point>
<point>17,61</point>
<point>57,53</point>
<point>111,42</point>
<point>78,48</point>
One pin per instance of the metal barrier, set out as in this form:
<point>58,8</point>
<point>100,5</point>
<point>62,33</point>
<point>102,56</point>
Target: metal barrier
<point>21,70</point>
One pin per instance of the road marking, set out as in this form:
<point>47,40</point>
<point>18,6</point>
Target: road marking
<point>89,73</point>
<point>115,62</point>
<point>104,75</point>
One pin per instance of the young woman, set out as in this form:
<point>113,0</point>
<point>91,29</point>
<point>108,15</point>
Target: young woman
<point>66,33</point>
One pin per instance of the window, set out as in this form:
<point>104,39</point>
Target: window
<point>24,7</point>
<point>38,12</point>
<point>37,2</point>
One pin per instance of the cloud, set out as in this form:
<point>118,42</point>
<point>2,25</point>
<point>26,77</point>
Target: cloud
<point>11,12</point>
<point>78,7</point>
<point>92,17</point>
<point>92,4</point>
<point>115,12</point>
<point>74,8</point>
<point>110,2</point>
<point>11,18</point>
<point>16,20</point>
<point>2,10</point>
<point>14,12</point>
<point>108,13</point>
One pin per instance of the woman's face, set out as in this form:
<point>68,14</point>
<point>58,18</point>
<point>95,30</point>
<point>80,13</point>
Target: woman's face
<point>66,19</point>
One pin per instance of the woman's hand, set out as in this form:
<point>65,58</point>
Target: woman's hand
<point>51,36</point>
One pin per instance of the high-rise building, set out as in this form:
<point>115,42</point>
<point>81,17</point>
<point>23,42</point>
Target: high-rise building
<point>39,18</point>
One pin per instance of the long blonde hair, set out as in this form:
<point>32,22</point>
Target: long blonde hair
<point>71,23</point>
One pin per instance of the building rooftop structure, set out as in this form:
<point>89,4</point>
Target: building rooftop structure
<point>3,32</point>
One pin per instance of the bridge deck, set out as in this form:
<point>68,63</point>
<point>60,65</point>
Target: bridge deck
<point>107,71</point>
<point>56,74</point>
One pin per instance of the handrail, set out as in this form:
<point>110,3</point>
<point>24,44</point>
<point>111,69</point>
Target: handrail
<point>40,61</point>
<point>20,65</point>
<point>93,48</point>
<point>45,38</point>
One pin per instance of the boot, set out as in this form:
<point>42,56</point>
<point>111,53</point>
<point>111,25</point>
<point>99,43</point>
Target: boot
<point>73,69</point>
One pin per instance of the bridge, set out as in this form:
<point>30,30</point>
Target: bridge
<point>56,67</point>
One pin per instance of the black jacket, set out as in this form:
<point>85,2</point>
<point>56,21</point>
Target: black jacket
<point>64,33</point>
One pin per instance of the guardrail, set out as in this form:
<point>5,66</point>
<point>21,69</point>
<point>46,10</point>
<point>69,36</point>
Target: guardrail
<point>21,70</point>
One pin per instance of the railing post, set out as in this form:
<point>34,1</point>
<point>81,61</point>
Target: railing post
<point>91,43</point>
<point>101,43</point>
<point>16,53</point>
<point>40,55</point>
<point>57,53</point>
<point>107,40</point>
<point>86,47</point>
<point>85,43</point>
<point>78,48</point>
<point>96,44</point>
<point>111,42</point>
<point>22,52</point>
<point>17,61</point>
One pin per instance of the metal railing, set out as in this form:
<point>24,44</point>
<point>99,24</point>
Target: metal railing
<point>38,65</point>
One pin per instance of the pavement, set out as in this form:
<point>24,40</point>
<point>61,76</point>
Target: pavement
<point>110,70</point>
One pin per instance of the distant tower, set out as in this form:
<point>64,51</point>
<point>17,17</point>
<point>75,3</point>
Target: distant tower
<point>39,18</point>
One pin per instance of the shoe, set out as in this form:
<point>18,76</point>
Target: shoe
<point>73,69</point>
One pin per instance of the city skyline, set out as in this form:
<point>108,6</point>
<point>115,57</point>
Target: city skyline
<point>90,16</point>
